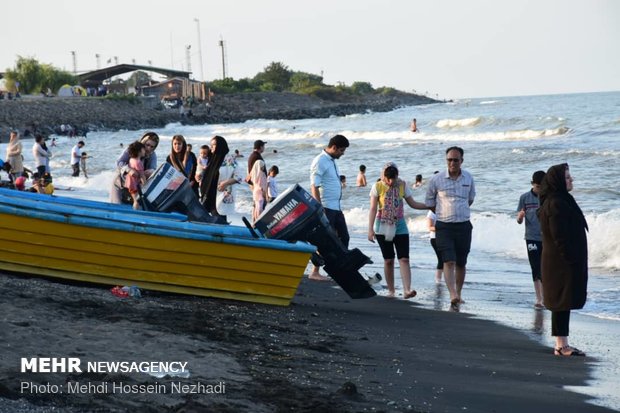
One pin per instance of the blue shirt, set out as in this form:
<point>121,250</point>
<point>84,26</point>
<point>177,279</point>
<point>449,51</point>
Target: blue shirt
<point>324,175</point>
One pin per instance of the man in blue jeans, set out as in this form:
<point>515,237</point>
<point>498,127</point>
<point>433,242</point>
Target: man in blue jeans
<point>325,187</point>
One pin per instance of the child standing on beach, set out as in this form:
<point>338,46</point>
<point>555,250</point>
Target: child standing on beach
<point>272,183</point>
<point>136,176</point>
<point>83,163</point>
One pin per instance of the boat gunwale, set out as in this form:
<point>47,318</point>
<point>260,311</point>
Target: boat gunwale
<point>64,213</point>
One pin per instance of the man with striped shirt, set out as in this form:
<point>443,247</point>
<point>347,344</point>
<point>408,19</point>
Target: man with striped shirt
<point>450,195</point>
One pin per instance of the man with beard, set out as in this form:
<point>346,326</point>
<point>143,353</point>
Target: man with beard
<point>325,187</point>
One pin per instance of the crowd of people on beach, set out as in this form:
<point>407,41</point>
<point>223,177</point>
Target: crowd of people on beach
<point>555,233</point>
<point>212,174</point>
<point>18,173</point>
<point>555,227</point>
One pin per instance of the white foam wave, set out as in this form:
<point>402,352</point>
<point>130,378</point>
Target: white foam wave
<point>499,234</point>
<point>519,135</point>
<point>489,102</point>
<point>603,245</point>
<point>458,123</point>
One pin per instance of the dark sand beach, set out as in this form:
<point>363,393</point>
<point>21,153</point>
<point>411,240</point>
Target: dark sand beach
<point>324,353</point>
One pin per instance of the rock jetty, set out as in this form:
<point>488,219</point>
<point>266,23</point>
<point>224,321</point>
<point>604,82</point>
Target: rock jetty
<point>45,115</point>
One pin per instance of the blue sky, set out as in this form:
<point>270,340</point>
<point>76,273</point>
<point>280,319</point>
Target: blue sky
<point>448,48</point>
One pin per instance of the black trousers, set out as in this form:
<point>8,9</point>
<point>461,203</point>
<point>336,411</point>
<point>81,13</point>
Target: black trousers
<point>559,323</point>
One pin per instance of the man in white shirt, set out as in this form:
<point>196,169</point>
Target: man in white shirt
<point>76,155</point>
<point>325,187</point>
<point>450,194</point>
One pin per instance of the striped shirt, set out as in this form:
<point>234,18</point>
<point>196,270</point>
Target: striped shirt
<point>451,197</point>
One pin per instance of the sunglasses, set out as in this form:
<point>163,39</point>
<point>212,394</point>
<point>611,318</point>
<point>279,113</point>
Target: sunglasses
<point>455,160</point>
<point>149,145</point>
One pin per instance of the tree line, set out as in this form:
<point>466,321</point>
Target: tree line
<point>34,77</point>
<point>29,76</point>
<point>277,77</point>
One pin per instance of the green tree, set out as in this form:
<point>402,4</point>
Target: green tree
<point>301,82</point>
<point>229,85</point>
<point>361,88</point>
<point>275,77</point>
<point>138,78</point>
<point>34,77</point>
<point>54,78</point>
<point>28,73</point>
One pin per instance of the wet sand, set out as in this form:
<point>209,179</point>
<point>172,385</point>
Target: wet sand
<point>324,353</point>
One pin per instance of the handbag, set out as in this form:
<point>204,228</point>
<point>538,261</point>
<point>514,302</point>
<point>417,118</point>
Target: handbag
<point>387,229</point>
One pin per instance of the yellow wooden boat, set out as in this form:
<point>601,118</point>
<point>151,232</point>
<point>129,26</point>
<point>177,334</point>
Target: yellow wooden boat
<point>111,244</point>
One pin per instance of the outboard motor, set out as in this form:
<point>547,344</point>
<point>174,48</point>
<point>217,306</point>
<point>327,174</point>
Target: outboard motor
<point>168,190</point>
<point>296,216</point>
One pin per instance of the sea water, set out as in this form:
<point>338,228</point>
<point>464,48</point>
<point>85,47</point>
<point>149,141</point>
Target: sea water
<point>505,140</point>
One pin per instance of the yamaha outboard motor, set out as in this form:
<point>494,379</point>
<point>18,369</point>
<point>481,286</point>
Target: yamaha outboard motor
<point>296,216</point>
<point>168,190</point>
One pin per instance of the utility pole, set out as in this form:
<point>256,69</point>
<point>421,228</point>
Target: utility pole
<point>224,60</point>
<point>74,62</point>
<point>171,53</point>
<point>202,75</point>
<point>188,57</point>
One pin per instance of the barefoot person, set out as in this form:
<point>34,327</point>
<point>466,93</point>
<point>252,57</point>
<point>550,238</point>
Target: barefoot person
<point>451,193</point>
<point>386,224</point>
<point>326,188</point>
<point>527,211</point>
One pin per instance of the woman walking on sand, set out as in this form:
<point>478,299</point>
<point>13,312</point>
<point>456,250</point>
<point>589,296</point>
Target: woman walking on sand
<point>386,224</point>
<point>564,254</point>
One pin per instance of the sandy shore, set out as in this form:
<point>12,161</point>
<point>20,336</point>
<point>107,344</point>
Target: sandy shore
<point>324,353</point>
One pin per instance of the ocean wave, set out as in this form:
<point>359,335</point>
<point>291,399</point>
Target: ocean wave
<point>532,134</point>
<point>490,102</point>
<point>498,234</point>
<point>458,123</point>
<point>604,230</point>
<point>516,135</point>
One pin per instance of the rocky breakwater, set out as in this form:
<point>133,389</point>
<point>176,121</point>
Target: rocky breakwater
<point>45,115</point>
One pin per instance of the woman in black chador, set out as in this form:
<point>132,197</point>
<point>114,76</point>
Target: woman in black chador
<point>208,185</point>
<point>564,254</point>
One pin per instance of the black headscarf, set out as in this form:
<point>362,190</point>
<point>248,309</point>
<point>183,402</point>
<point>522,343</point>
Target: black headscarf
<point>554,185</point>
<point>208,186</point>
